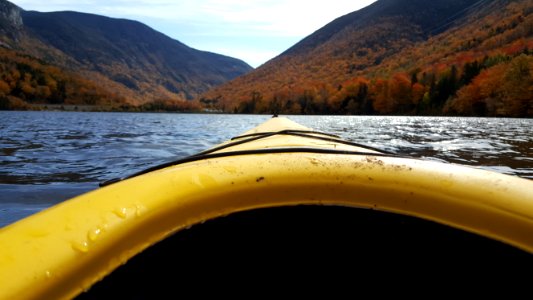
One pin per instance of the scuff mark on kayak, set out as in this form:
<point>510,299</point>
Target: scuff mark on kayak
<point>230,169</point>
<point>260,179</point>
<point>373,160</point>
<point>314,161</point>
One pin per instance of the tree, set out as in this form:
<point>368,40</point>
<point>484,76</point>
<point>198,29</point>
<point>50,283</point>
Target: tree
<point>467,99</point>
<point>470,71</point>
<point>354,98</point>
<point>306,100</point>
<point>517,88</point>
<point>42,92</point>
<point>5,89</point>
<point>418,91</point>
<point>383,103</point>
<point>401,91</point>
<point>482,97</point>
<point>414,77</point>
<point>446,86</point>
<point>274,107</point>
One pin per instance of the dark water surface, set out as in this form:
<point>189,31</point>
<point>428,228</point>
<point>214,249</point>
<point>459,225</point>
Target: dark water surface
<point>47,157</point>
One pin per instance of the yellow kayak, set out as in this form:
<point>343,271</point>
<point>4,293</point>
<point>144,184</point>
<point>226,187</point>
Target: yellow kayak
<point>69,248</point>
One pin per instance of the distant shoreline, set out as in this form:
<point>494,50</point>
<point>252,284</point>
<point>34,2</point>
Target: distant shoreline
<point>115,109</point>
<point>71,107</point>
<point>102,108</point>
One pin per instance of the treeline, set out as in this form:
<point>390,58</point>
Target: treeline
<point>500,85</point>
<point>162,105</point>
<point>25,80</point>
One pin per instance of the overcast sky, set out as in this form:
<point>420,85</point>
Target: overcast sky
<point>252,30</point>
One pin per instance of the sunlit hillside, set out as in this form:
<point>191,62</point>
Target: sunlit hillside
<point>400,57</point>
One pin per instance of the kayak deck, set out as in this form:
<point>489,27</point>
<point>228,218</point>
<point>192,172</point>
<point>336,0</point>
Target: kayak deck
<point>64,250</point>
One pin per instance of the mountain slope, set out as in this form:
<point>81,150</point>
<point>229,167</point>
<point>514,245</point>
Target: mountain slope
<point>131,53</point>
<point>353,42</point>
<point>418,17</point>
<point>359,62</point>
<point>122,56</point>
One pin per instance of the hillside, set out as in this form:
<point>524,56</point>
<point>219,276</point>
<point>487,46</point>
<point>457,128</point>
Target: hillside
<point>122,57</point>
<point>27,82</point>
<point>400,57</point>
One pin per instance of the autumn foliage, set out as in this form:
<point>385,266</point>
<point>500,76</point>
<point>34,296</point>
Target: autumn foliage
<point>29,83</point>
<point>504,89</point>
<point>25,81</point>
<point>478,63</point>
<point>484,67</point>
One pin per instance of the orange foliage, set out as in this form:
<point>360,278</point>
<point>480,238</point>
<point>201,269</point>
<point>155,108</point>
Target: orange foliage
<point>25,80</point>
<point>515,47</point>
<point>401,89</point>
<point>4,88</point>
<point>418,93</point>
<point>383,102</point>
<point>472,69</point>
<point>502,90</point>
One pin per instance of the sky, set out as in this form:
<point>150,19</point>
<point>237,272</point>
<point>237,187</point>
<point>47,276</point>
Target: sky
<point>252,30</point>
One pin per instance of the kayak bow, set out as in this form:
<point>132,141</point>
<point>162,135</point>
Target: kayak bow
<point>64,250</point>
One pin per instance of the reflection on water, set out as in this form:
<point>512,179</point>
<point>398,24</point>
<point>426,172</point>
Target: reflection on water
<point>501,145</point>
<point>46,157</point>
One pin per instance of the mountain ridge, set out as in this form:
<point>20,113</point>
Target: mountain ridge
<point>365,17</point>
<point>123,56</point>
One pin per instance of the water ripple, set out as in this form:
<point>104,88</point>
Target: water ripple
<point>44,154</point>
<point>46,147</point>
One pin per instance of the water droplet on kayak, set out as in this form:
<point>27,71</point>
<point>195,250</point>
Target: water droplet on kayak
<point>93,234</point>
<point>48,274</point>
<point>121,212</point>
<point>81,247</point>
<point>139,209</point>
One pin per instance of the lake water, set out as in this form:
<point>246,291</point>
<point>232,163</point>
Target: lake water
<point>47,157</point>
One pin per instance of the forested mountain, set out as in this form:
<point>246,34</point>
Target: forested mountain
<point>458,57</point>
<point>118,58</point>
